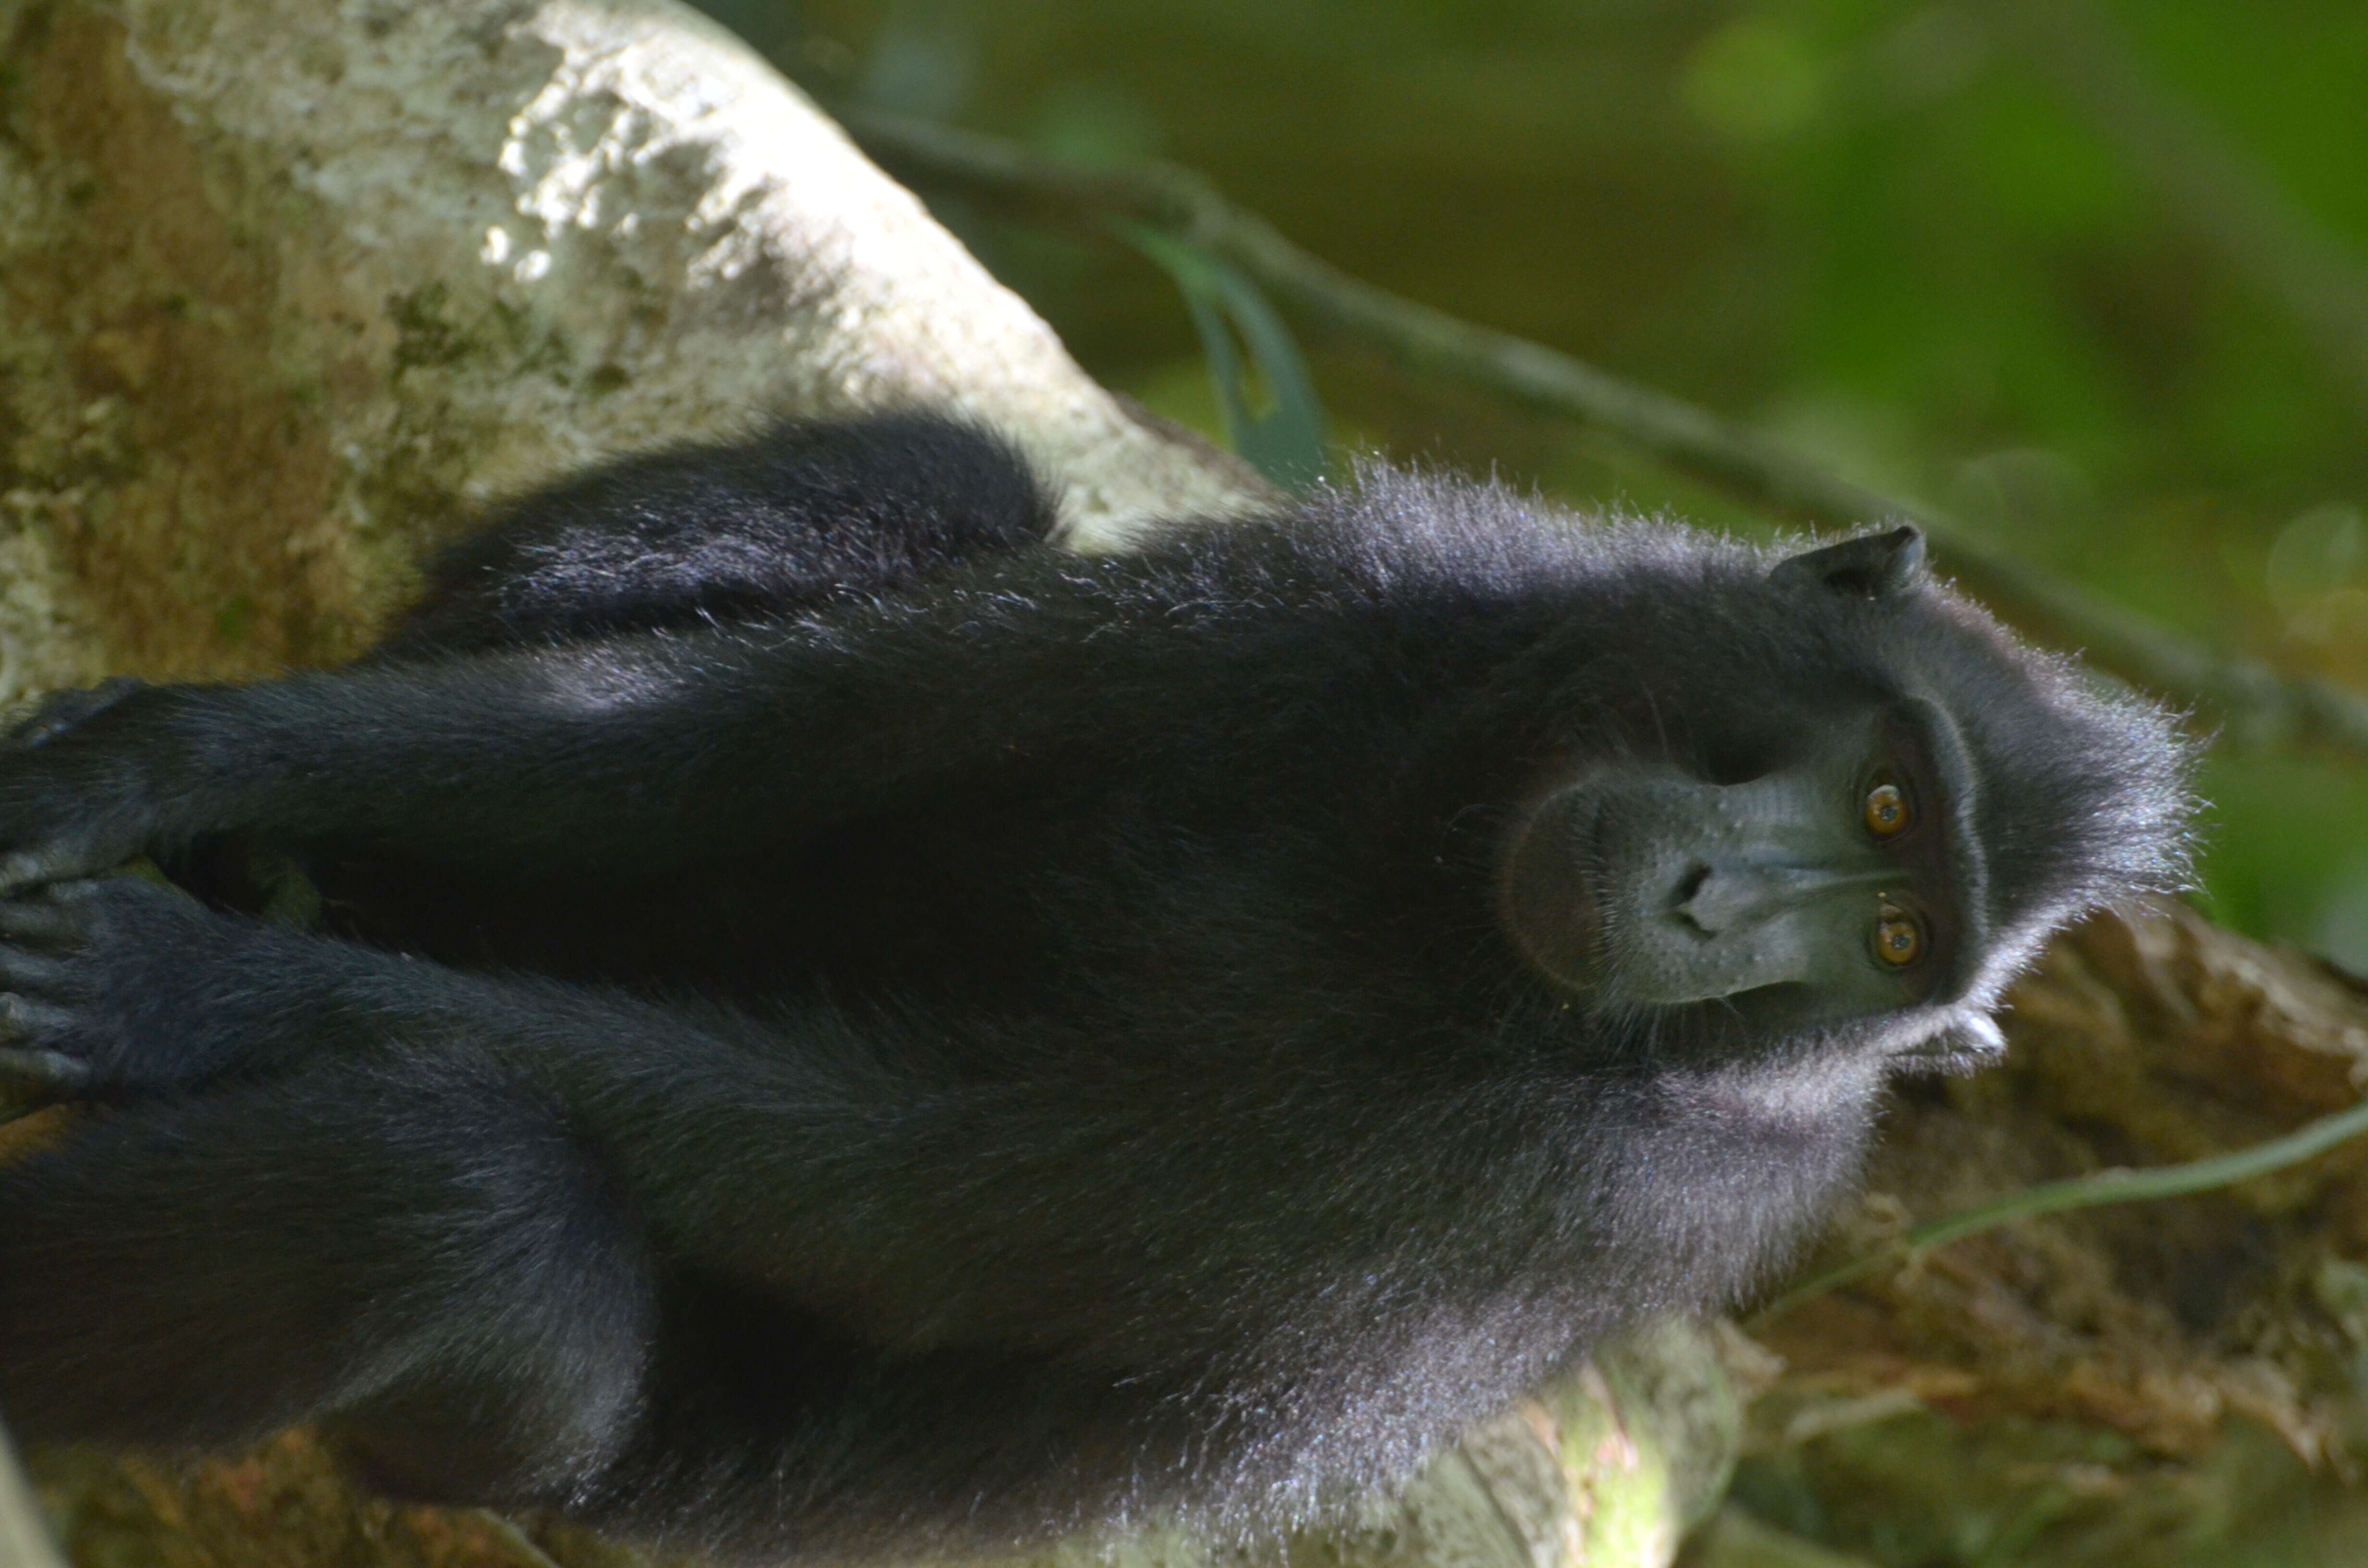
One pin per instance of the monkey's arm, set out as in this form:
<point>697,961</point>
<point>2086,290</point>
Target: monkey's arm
<point>648,751</point>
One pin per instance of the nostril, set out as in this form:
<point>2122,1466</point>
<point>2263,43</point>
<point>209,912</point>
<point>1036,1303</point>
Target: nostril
<point>1689,889</point>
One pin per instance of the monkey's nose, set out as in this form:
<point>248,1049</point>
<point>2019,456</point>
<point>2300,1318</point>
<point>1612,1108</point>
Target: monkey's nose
<point>1717,900</point>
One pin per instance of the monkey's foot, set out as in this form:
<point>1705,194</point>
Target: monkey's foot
<point>86,974</point>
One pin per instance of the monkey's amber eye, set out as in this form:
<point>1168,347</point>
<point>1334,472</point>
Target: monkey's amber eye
<point>1898,939</point>
<point>1886,810</point>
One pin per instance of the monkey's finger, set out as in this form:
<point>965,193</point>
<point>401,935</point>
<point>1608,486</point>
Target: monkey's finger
<point>24,1020</point>
<point>42,921</point>
<point>58,860</point>
<point>29,973</point>
<point>50,1069</point>
<point>63,895</point>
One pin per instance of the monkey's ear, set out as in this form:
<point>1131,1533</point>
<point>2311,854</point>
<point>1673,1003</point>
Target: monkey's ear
<point>1871,566</point>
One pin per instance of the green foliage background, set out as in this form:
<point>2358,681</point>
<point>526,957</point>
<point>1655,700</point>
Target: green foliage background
<point>1871,227</point>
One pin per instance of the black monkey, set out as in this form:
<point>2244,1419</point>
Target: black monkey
<point>838,1027</point>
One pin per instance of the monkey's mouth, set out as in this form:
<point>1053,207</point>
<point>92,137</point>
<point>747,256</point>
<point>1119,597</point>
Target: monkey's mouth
<point>1549,892</point>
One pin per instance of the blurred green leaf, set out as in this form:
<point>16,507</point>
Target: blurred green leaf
<point>1279,434</point>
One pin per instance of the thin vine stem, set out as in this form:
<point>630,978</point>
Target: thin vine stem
<point>2250,702</point>
<point>2118,1186</point>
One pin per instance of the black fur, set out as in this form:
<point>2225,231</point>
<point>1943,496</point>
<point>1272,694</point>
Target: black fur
<point>807,513</point>
<point>843,1030</point>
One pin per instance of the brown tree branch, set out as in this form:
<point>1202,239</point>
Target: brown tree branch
<point>2251,702</point>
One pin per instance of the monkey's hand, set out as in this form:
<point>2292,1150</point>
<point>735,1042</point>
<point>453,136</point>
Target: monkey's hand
<point>75,796</point>
<point>96,986</point>
<point>63,712</point>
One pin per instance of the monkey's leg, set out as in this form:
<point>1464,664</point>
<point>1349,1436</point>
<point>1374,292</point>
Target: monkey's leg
<point>768,524</point>
<point>768,1435</point>
<point>422,1257</point>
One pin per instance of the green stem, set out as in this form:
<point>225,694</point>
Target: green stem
<point>2087,1192</point>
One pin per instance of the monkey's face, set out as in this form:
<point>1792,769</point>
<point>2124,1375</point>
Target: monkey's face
<point>1837,883</point>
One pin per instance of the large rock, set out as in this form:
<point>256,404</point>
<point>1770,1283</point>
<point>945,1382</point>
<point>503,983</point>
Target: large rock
<point>288,289</point>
